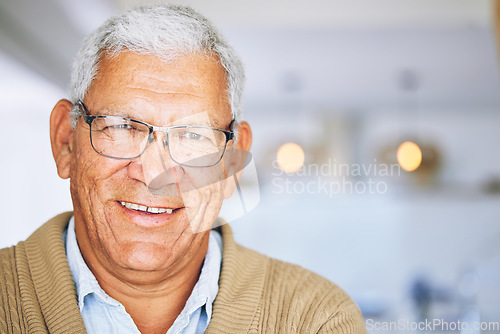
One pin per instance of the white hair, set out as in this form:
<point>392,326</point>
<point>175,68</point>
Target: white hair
<point>166,31</point>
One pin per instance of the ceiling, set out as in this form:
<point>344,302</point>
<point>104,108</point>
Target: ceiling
<point>339,13</point>
<point>330,53</point>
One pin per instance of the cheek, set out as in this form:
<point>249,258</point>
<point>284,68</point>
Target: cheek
<point>201,188</point>
<point>93,178</point>
<point>202,197</point>
<point>201,178</point>
<point>94,182</point>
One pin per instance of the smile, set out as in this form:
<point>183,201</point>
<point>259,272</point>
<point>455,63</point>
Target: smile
<point>143,208</point>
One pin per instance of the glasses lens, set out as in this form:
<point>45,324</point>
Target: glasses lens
<point>118,137</point>
<point>196,146</point>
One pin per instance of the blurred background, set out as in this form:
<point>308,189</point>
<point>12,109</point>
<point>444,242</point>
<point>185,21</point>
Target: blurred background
<point>376,140</point>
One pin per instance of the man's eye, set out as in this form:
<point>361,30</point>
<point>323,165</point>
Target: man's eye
<point>193,136</point>
<point>123,127</point>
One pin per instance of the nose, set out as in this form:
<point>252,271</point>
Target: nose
<point>155,168</point>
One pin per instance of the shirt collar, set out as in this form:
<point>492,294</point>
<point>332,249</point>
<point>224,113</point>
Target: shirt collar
<point>85,281</point>
<point>203,294</point>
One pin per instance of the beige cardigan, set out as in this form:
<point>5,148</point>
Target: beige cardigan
<point>257,294</point>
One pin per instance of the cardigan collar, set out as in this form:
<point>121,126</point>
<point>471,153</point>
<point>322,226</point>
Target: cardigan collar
<point>241,281</point>
<point>51,276</point>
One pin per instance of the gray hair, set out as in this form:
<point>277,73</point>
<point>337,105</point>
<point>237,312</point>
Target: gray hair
<point>166,31</point>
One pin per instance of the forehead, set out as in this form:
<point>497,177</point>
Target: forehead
<point>152,89</point>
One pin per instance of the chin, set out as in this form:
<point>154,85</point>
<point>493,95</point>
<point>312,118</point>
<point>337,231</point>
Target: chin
<point>144,257</point>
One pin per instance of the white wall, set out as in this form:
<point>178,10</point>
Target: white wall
<point>30,192</point>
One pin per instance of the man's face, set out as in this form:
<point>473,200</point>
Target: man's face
<point>188,91</point>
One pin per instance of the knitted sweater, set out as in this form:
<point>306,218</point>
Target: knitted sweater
<point>257,294</point>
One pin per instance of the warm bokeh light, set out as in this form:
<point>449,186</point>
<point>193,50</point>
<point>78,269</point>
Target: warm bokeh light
<point>290,157</point>
<point>409,156</point>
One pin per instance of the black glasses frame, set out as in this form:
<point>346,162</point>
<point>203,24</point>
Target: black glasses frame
<point>152,128</point>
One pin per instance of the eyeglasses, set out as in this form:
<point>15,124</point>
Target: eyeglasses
<point>124,138</point>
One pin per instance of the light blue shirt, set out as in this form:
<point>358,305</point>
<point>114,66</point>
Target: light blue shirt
<point>103,314</point>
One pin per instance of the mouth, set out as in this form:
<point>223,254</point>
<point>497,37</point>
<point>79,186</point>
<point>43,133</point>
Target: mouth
<point>147,210</point>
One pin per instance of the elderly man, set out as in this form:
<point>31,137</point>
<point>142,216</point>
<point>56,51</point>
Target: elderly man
<point>149,142</point>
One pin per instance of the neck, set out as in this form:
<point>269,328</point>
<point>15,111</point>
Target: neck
<point>153,307</point>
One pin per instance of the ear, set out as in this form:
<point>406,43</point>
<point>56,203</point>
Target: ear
<point>238,158</point>
<point>61,134</point>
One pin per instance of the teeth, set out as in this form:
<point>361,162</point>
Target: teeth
<point>153,210</point>
<point>145,208</point>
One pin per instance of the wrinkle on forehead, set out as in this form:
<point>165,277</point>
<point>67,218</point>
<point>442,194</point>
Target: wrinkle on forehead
<point>143,87</point>
<point>162,92</point>
<point>175,84</point>
<point>167,80</point>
